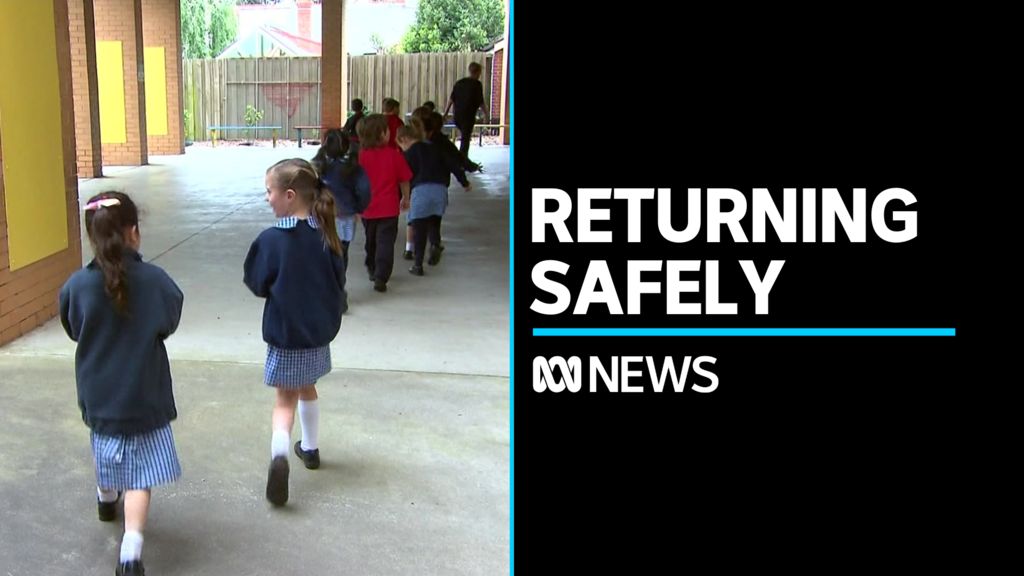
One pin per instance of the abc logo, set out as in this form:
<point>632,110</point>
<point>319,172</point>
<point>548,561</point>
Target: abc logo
<point>557,374</point>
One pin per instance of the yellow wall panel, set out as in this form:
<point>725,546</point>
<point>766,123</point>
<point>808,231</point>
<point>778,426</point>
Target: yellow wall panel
<point>110,74</point>
<point>31,133</point>
<point>156,90</point>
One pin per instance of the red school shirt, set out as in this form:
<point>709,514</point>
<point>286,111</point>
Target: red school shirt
<point>393,123</point>
<point>386,168</point>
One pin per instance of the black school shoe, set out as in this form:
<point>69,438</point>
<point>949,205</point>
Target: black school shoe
<point>133,568</point>
<point>416,270</point>
<point>277,481</point>
<point>311,458</point>
<point>435,255</point>
<point>107,511</point>
<point>380,286</point>
<point>407,255</point>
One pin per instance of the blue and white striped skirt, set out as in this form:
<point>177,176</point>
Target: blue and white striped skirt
<point>137,461</point>
<point>293,369</point>
<point>346,228</point>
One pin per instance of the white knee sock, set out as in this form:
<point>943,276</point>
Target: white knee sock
<point>131,546</point>
<point>106,496</point>
<point>409,246</point>
<point>279,443</point>
<point>309,418</point>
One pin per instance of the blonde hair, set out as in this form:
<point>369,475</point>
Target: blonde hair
<point>299,175</point>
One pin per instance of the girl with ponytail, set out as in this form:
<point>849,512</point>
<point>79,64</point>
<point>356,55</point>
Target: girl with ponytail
<point>120,310</point>
<point>297,266</point>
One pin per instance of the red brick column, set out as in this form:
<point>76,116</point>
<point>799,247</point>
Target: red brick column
<point>121,21</point>
<point>82,27</point>
<point>333,66</point>
<point>161,26</point>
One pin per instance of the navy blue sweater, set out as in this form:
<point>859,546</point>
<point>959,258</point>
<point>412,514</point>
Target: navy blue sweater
<point>303,281</point>
<point>121,366</point>
<point>431,166</point>
<point>351,193</point>
<point>452,158</point>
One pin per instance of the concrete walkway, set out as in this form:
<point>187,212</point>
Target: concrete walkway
<point>415,416</point>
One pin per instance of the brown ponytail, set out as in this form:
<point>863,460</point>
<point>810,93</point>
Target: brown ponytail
<point>108,217</point>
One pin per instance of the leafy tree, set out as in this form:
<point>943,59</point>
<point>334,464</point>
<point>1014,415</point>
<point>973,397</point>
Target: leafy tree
<point>454,26</point>
<point>207,27</point>
<point>223,26</point>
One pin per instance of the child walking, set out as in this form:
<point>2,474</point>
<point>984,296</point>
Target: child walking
<point>298,267</point>
<point>389,176</point>
<point>340,172</point>
<point>391,109</point>
<point>431,175</point>
<point>415,123</point>
<point>350,125</point>
<point>120,310</point>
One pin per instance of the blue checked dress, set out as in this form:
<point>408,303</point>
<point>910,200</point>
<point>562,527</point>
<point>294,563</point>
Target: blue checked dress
<point>346,226</point>
<point>136,461</point>
<point>296,368</point>
<point>293,369</point>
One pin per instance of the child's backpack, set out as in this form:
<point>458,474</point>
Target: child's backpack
<point>351,191</point>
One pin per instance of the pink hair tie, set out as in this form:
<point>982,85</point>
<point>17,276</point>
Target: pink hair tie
<point>102,203</point>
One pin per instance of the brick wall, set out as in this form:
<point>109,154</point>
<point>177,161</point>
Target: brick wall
<point>86,94</point>
<point>121,21</point>
<point>496,79</point>
<point>161,26</point>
